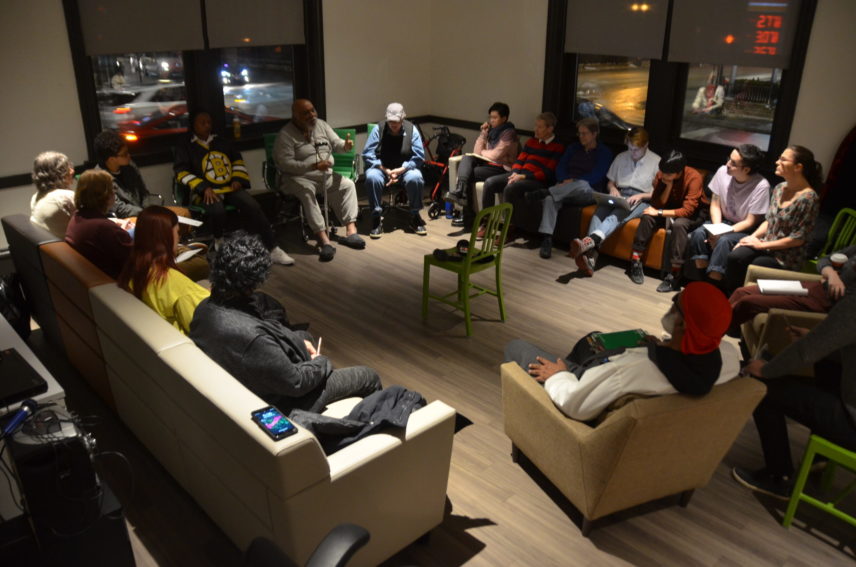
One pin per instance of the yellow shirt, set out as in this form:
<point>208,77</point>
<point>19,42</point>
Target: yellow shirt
<point>175,299</point>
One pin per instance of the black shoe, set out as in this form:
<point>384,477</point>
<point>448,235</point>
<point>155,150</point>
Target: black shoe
<point>458,221</point>
<point>546,247</point>
<point>637,275</point>
<point>354,241</point>
<point>669,283</point>
<point>377,227</point>
<point>326,252</point>
<point>761,481</point>
<point>418,225</point>
<point>536,195</point>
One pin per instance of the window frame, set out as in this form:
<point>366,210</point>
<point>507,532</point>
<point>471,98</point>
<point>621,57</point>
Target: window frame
<point>667,84</point>
<point>204,89</point>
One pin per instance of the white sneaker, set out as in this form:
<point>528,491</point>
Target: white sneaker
<point>278,256</point>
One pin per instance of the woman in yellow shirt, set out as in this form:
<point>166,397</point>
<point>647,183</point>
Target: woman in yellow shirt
<point>151,274</point>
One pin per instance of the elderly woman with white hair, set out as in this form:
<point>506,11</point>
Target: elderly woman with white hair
<point>53,203</point>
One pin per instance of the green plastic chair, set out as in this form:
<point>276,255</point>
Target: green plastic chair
<point>481,256</point>
<point>345,163</point>
<point>838,456</point>
<point>841,235</point>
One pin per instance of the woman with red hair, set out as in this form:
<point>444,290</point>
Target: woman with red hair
<point>151,273</point>
<point>690,361</point>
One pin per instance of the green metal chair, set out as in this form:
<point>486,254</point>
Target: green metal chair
<point>841,235</point>
<point>838,456</point>
<point>481,256</point>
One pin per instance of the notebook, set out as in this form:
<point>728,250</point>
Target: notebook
<point>626,339</point>
<point>18,380</point>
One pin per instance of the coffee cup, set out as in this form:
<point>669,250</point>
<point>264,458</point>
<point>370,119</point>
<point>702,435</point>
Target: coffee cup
<point>837,260</point>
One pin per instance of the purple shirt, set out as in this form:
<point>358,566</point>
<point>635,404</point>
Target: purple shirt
<point>739,200</point>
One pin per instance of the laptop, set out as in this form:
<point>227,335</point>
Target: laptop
<point>18,380</point>
<point>611,201</point>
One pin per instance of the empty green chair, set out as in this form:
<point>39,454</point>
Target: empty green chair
<point>838,456</point>
<point>481,256</point>
<point>841,235</point>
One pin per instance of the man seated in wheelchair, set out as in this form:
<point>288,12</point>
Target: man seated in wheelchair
<point>303,153</point>
<point>393,154</point>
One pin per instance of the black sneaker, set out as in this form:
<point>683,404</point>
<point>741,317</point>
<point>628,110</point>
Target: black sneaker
<point>546,247</point>
<point>536,195</point>
<point>637,275</point>
<point>418,225</point>
<point>761,481</point>
<point>458,221</point>
<point>669,283</point>
<point>377,227</point>
<point>326,252</point>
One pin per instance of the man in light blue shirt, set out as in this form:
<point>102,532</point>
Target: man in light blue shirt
<point>393,154</point>
<point>631,176</point>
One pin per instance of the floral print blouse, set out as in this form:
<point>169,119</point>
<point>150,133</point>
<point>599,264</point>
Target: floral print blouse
<point>795,221</point>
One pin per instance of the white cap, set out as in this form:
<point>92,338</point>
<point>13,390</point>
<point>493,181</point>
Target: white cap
<point>395,112</point>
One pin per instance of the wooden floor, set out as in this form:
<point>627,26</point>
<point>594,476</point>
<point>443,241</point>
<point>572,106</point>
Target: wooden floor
<point>366,306</point>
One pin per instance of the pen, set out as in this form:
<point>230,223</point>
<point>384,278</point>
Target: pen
<point>318,349</point>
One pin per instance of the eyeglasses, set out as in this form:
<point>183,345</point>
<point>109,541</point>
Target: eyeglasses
<point>124,154</point>
<point>733,163</point>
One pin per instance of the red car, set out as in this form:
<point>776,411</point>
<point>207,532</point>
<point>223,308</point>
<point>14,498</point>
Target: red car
<point>175,121</point>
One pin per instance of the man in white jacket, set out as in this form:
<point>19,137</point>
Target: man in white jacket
<point>689,362</point>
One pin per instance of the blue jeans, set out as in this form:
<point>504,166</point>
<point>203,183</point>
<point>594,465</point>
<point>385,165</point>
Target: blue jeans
<point>607,220</point>
<point>574,193</point>
<point>717,257</point>
<point>376,181</point>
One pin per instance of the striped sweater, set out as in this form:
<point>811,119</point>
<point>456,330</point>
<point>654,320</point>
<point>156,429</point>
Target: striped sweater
<point>215,164</point>
<point>538,160</point>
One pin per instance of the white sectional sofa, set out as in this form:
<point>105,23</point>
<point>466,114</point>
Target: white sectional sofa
<point>195,418</point>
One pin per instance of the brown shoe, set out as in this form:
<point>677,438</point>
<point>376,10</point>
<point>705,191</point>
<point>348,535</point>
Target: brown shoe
<point>585,263</point>
<point>580,246</point>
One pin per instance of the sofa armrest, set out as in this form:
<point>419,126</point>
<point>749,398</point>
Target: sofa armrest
<point>755,273</point>
<point>435,414</point>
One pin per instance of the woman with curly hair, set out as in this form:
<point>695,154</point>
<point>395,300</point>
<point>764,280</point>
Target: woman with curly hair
<point>151,273</point>
<point>247,333</point>
<point>53,202</point>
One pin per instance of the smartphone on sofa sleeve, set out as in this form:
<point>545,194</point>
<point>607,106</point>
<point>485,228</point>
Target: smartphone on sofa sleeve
<point>273,423</point>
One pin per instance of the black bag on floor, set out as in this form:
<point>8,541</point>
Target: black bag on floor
<point>13,306</point>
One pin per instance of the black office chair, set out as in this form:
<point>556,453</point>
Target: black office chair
<point>335,550</point>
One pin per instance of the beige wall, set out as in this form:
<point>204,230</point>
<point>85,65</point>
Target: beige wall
<point>826,109</point>
<point>376,52</point>
<point>487,50</point>
<point>39,94</point>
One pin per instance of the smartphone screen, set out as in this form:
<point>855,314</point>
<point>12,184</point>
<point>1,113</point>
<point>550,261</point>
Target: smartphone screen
<point>274,423</point>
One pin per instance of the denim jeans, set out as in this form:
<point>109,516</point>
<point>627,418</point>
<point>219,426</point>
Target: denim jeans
<point>376,181</point>
<point>607,220</point>
<point>718,256</point>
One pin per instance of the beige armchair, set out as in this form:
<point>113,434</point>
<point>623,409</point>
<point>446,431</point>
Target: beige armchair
<point>648,449</point>
<point>478,188</point>
<point>768,329</point>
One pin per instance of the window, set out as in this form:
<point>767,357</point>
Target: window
<point>139,93</point>
<point>258,83</point>
<point>143,84</point>
<point>730,104</point>
<point>612,89</point>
